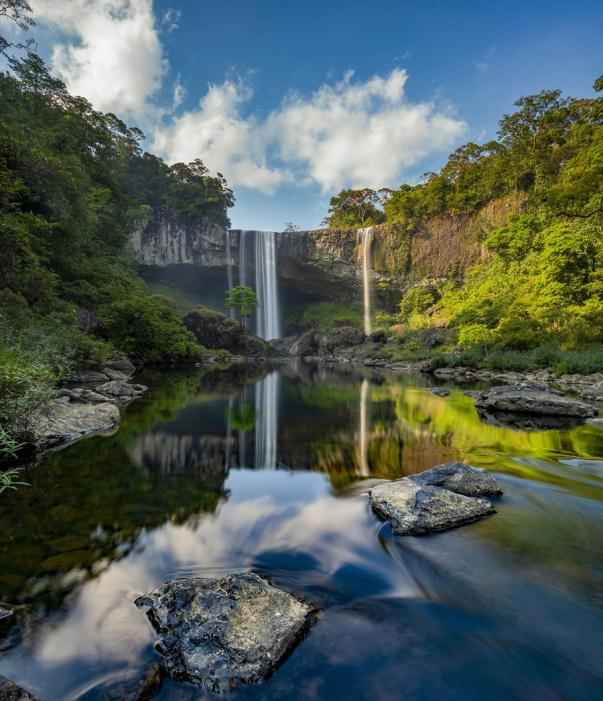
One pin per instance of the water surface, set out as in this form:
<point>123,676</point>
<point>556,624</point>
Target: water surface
<point>226,471</point>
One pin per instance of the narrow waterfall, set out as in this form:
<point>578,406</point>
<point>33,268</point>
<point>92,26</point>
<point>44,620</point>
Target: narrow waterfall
<point>363,446</point>
<point>268,323</point>
<point>367,239</point>
<point>229,268</point>
<point>242,260</point>
<point>266,426</point>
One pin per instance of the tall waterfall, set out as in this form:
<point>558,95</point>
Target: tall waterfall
<point>268,324</point>
<point>242,259</point>
<point>229,268</point>
<point>367,239</point>
<point>266,426</point>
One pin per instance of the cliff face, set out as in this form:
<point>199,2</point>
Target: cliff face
<point>169,238</point>
<point>328,262</point>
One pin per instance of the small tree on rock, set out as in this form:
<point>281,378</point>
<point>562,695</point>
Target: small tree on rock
<point>243,300</point>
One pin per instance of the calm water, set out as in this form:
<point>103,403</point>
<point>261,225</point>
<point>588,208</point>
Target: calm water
<point>218,472</point>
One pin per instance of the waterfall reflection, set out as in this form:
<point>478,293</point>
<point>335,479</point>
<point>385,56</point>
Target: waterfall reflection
<point>266,427</point>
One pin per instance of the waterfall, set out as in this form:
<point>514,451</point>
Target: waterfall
<point>268,325</point>
<point>229,268</point>
<point>367,239</point>
<point>266,409</point>
<point>242,261</point>
<point>363,447</point>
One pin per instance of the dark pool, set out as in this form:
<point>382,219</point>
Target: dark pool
<point>243,469</point>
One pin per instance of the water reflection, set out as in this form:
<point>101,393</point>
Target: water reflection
<point>507,608</point>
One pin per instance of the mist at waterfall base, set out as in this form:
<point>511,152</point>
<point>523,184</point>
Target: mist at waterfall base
<point>267,470</point>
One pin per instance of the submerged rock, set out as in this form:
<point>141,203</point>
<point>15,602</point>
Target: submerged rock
<point>597,423</point>
<point>440,392</point>
<point>219,633</point>
<point>443,497</point>
<point>460,478</point>
<point>9,691</point>
<point>532,399</point>
<point>64,420</point>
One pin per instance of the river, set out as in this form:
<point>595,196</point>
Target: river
<point>218,471</point>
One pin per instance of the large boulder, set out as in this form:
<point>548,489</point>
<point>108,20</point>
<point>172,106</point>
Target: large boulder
<point>446,496</point>
<point>218,332</point>
<point>9,691</point>
<point>527,398</point>
<point>306,345</point>
<point>219,633</point>
<point>64,420</point>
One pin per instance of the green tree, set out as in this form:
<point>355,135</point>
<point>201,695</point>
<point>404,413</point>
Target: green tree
<point>356,208</point>
<point>243,300</point>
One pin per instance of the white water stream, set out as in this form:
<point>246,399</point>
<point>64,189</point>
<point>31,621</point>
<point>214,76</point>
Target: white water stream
<point>367,239</point>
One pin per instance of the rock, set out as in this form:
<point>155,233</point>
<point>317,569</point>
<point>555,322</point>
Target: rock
<point>460,478</point>
<point>218,332</point>
<point>88,376</point>
<point>440,392</point>
<point>529,422</point>
<point>63,421</point>
<point>414,509</point>
<point>432,338</point>
<point>125,391</point>
<point>532,399</point>
<point>473,393</point>
<point>593,394</point>
<point>122,365</point>
<point>9,691</point>
<point>597,423</point>
<point>378,337</point>
<point>142,688</point>
<point>87,320</point>
<point>306,345</point>
<point>7,620</point>
<point>338,338</point>
<point>219,633</point>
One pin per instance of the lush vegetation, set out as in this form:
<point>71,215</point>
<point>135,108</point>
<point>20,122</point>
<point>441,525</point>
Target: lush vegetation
<point>538,295</point>
<point>72,183</point>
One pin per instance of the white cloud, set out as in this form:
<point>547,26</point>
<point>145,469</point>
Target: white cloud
<point>113,55</point>
<point>227,142</point>
<point>361,134</point>
<point>348,134</point>
<point>171,19</point>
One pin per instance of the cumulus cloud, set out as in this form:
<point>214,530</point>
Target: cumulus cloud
<point>348,134</point>
<point>112,55</point>
<point>226,141</point>
<point>361,134</point>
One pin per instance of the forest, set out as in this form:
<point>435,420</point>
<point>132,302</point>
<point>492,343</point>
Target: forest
<point>537,296</point>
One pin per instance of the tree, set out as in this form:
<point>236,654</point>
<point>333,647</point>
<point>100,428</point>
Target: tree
<point>290,227</point>
<point>355,208</point>
<point>18,11</point>
<point>243,300</point>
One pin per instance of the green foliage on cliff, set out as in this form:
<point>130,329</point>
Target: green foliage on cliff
<point>540,284</point>
<point>72,181</point>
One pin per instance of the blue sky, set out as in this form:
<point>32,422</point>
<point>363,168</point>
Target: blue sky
<point>294,100</point>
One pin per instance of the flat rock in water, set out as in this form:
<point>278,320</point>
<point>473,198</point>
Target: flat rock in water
<point>414,509</point>
<point>532,400</point>
<point>124,390</point>
<point>460,478</point>
<point>219,633</point>
<point>9,691</point>
<point>597,423</point>
<point>440,392</point>
<point>63,421</point>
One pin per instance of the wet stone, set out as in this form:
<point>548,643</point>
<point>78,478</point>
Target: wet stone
<point>219,633</point>
<point>440,392</point>
<point>9,691</point>
<point>443,497</point>
<point>532,398</point>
